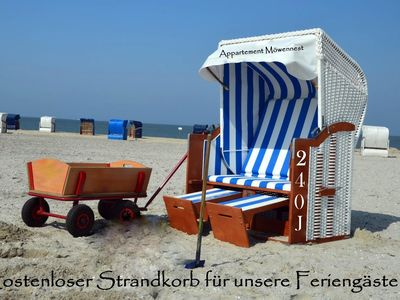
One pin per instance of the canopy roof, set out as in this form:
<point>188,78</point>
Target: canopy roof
<point>297,51</point>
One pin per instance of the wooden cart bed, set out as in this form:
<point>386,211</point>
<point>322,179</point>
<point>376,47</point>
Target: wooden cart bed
<point>55,178</point>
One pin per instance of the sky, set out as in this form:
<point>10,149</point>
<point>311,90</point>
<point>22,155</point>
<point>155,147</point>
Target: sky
<point>140,59</point>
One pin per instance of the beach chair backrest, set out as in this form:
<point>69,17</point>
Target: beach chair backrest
<point>284,120</point>
<point>242,103</point>
<point>217,164</point>
<point>263,110</point>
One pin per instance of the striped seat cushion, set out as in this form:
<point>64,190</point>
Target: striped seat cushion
<point>268,183</point>
<point>253,201</point>
<point>211,194</point>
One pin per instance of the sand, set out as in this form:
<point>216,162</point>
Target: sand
<point>149,245</point>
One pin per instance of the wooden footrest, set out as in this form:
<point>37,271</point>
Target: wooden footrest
<point>231,220</point>
<point>184,210</point>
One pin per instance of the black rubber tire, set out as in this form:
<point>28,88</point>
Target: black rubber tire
<point>80,220</point>
<point>106,208</point>
<point>29,212</point>
<point>126,211</point>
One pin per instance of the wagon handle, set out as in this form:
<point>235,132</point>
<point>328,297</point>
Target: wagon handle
<point>165,181</point>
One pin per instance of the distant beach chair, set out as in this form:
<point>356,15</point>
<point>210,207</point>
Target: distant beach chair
<point>199,128</point>
<point>13,121</point>
<point>117,129</point>
<point>87,127</point>
<point>47,124</point>
<point>291,111</point>
<point>374,141</point>
<point>3,123</point>
<point>135,129</point>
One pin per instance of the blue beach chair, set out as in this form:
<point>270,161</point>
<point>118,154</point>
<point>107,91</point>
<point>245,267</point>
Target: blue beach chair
<point>117,129</point>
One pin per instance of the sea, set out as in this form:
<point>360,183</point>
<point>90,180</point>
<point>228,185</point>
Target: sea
<point>149,129</point>
<point>101,127</point>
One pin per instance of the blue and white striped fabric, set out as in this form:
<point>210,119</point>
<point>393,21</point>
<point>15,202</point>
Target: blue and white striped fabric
<point>264,109</point>
<point>265,183</point>
<point>254,201</point>
<point>210,195</point>
<point>241,106</point>
<point>284,120</point>
<point>217,164</point>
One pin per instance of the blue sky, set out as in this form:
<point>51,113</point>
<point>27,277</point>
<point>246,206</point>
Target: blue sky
<point>139,59</point>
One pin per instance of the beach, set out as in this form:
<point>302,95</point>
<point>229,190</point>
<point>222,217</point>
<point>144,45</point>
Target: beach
<point>117,256</point>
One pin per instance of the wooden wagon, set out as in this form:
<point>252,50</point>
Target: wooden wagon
<point>108,182</point>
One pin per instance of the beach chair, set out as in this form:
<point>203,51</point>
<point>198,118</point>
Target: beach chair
<point>375,141</point>
<point>87,127</point>
<point>135,130</point>
<point>117,129</point>
<point>3,123</point>
<point>12,121</point>
<point>292,106</point>
<point>47,124</point>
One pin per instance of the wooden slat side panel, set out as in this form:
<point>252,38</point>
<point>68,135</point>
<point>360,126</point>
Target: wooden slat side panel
<point>49,175</point>
<point>30,176</point>
<point>182,215</point>
<point>106,180</point>
<point>228,224</point>
<point>194,163</point>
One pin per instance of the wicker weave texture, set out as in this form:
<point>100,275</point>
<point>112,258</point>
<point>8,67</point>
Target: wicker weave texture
<point>330,167</point>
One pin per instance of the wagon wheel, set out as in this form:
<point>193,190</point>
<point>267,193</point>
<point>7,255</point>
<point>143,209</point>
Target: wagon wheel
<point>126,211</point>
<point>106,208</point>
<point>80,220</point>
<point>31,209</point>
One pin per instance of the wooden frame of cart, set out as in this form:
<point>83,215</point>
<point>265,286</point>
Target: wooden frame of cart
<point>75,182</point>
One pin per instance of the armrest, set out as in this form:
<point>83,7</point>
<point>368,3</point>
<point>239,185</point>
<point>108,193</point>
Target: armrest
<point>327,191</point>
<point>299,176</point>
<point>194,166</point>
<point>324,134</point>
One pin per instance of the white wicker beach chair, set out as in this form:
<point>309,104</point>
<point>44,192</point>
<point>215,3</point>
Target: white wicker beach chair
<point>3,122</point>
<point>375,141</point>
<point>47,124</point>
<point>292,106</point>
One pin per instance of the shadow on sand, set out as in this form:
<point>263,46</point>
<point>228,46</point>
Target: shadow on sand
<point>373,222</point>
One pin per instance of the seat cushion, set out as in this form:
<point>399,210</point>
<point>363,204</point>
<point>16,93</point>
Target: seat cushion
<point>211,194</point>
<point>254,201</point>
<point>268,183</point>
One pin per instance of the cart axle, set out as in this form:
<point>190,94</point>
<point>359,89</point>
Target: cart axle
<point>48,214</point>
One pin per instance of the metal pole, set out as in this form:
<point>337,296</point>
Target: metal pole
<point>198,262</point>
<point>165,181</point>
